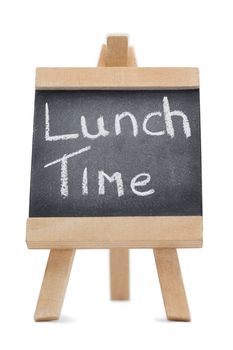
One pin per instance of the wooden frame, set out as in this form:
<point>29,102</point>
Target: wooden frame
<point>115,232</point>
<point>116,78</point>
<point>103,232</point>
<point>116,70</point>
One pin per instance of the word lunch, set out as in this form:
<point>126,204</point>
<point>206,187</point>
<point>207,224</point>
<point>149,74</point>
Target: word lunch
<point>167,114</point>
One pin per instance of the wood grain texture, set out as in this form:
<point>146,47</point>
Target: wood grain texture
<point>119,273</point>
<point>102,56</point>
<point>54,285</point>
<point>116,78</point>
<point>115,232</point>
<point>117,51</point>
<point>172,286</point>
<point>131,60</point>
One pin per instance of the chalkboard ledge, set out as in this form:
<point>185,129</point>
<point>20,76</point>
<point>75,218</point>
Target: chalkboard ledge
<point>115,232</point>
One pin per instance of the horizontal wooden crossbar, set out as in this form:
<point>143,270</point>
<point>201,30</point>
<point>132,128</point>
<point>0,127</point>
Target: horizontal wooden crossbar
<point>116,78</point>
<point>113,232</point>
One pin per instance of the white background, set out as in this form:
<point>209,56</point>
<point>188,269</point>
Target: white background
<point>70,33</point>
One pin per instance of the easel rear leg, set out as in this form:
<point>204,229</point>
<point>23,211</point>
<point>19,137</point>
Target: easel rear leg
<point>119,273</point>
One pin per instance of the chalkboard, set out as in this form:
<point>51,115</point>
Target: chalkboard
<point>116,153</point>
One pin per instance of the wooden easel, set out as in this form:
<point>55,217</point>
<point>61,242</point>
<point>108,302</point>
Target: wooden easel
<point>115,53</point>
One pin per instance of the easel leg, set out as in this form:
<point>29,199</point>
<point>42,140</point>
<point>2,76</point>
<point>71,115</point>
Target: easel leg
<point>171,283</point>
<point>119,273</point>
<point>54,284</point>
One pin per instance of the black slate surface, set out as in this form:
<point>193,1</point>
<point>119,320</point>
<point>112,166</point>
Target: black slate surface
<point>174,163</point>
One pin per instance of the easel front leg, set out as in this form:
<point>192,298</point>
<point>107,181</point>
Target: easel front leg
<point>171,283</point>
<point>119,273</point>
<point>54,284</point>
